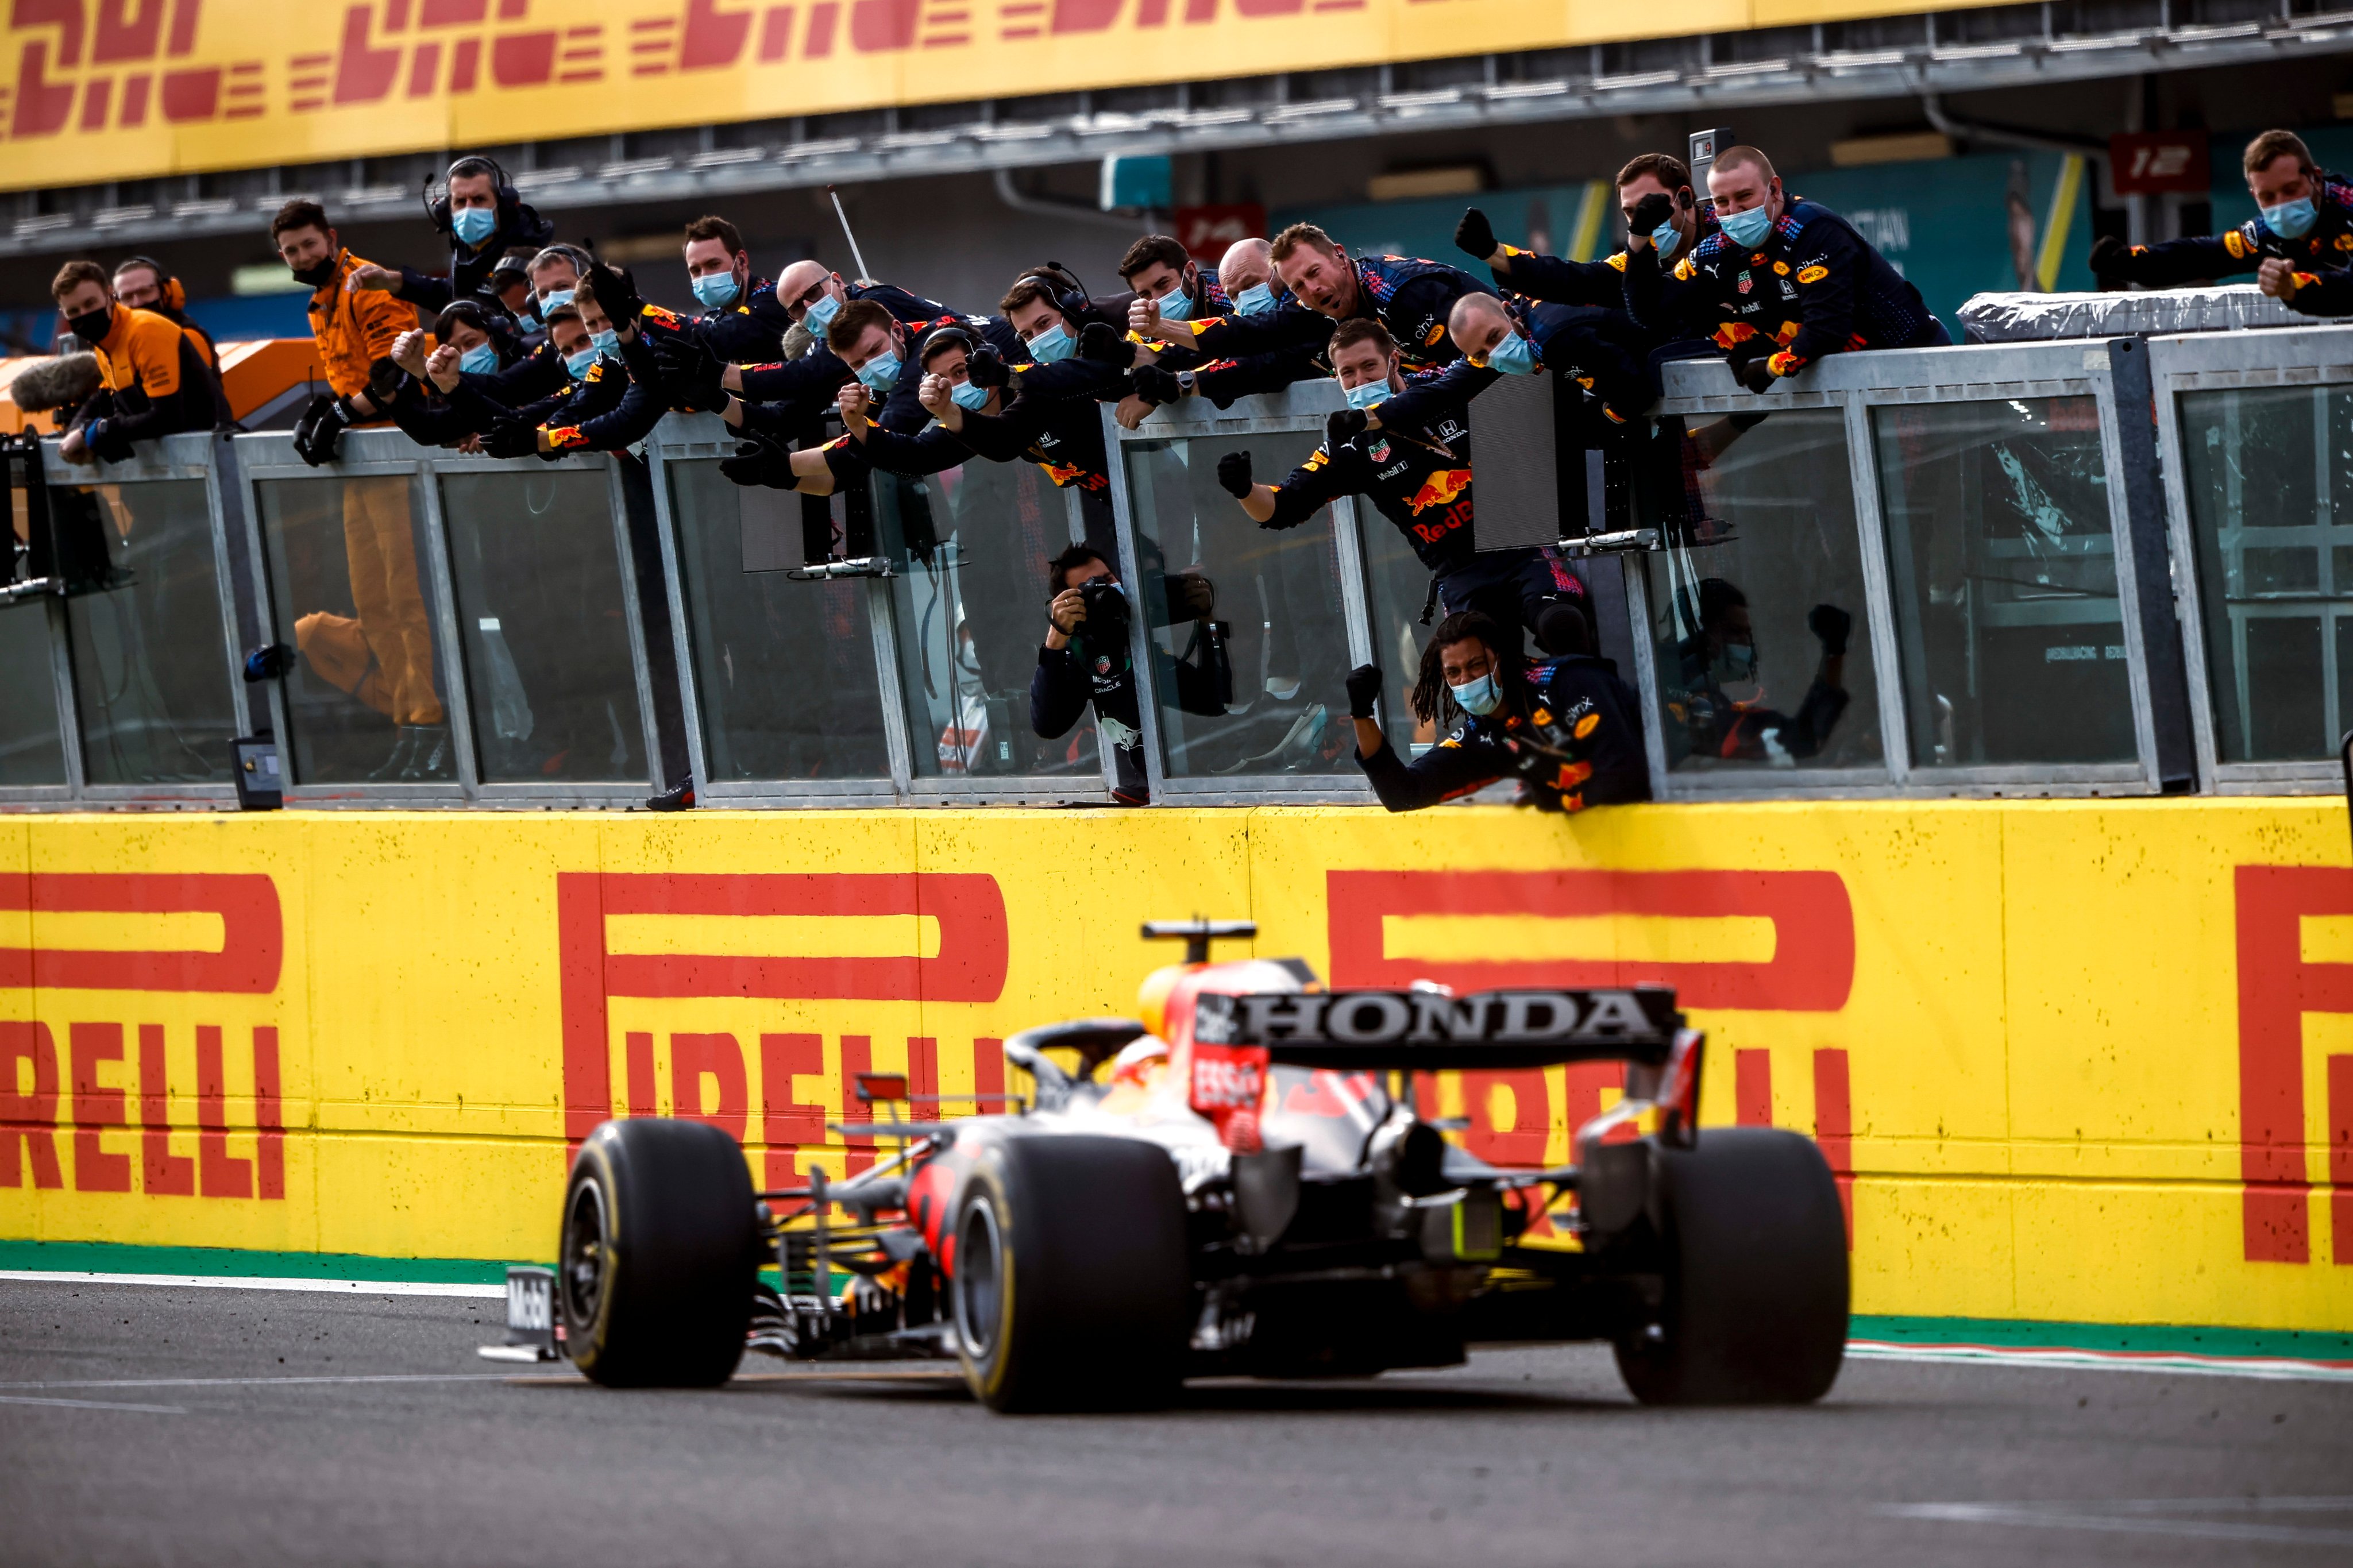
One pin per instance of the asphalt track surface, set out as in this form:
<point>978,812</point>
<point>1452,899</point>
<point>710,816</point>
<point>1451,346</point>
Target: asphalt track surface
<point>170,1425</point>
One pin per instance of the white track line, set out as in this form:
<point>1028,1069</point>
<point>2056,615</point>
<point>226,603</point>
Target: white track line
<point>2265,1368</point>
<point>95,1404</point>
<point>2139,1517</point>
<point>265,1382</point>
<point>241,1282</point>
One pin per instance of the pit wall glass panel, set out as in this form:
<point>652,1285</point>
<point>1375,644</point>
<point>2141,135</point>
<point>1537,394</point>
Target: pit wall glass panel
<point>784,677</point>
<point>969,548</point>
<point>542,601</point>
<point>1760,579</point>
<point>2268,476</point>
<point>350,586</point>
<point>153,695</point>
<point>1248,631</point>
<point>2003,565</point>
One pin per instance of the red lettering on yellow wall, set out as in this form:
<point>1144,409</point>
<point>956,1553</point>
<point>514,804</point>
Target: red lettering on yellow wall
<point>252,946</point>
<point>2276,988</point>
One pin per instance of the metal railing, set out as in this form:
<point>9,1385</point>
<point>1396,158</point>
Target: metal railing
<point>2039,589</point>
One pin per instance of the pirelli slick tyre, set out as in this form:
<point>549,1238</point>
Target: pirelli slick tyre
<point>1070,1285</point>
<point>660,1249</point>
<point>1755,1262</point>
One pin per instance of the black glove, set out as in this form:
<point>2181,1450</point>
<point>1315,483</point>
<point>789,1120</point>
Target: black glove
<point>1475,233</point>
<point>319,429</point>
<point>1650,213</point>
<point>617,291</point>
<point>1756,373</point>
<point>1363,691</point>
<point>692,373</point>
<point>760,464</point>
<point>1343,427</point>
<point>1156,386</point>
<point>986,367</point>
<point>512,438</point>
<point>1234,474</point>
<point>1830,624</point>
<point>1104,343</point>
<point>2113,260</point>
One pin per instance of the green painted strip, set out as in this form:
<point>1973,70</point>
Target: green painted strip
<point>2159,1339</point>
<point>117,1257</point>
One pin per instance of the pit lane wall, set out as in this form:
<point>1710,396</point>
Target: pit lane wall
<point>2073,1060</point>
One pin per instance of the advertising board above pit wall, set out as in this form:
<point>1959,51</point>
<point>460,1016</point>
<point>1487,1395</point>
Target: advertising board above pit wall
<point>2070,1060</point>
<point>117,89</point>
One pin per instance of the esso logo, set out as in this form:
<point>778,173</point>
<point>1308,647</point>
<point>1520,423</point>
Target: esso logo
<point>1223,1078</point>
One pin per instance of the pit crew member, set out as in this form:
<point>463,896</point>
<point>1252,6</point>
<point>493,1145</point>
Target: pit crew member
<point>2303,215</point>
<point>483,216</point>
<point>152,378</point>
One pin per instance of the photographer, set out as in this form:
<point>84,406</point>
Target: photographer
<point>1568,727</point>
<point>1086,658</point>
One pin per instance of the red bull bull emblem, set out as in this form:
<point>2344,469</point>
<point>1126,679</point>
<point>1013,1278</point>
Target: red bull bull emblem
<point>1440,489</point>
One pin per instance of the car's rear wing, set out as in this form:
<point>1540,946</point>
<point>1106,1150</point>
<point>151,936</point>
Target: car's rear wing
<point>1430,1030</point>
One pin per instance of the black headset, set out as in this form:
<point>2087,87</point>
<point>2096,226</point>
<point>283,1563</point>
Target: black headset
<point>172,295</point>
<point>940,339</point>
<point>438,207</point>
<point>1073,302</point>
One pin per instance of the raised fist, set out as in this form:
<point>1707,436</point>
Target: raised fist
<point>1234,474</point>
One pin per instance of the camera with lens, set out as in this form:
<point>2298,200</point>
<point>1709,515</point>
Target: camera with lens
<point>1106,606</point>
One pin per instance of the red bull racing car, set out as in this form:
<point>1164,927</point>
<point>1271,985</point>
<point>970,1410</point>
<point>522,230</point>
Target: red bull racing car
<point>1247,1179</point>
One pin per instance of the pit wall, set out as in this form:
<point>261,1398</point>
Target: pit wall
<point>2078,1061</point>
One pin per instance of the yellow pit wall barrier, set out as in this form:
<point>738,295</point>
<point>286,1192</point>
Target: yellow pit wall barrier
<point>2079,1061</point>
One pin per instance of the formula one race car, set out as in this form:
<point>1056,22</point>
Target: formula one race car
<point>1250,1188</point>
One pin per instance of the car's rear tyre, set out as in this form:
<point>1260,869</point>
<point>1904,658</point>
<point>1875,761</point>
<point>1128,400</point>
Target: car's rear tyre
<point>1071,1286</point>
<point>661,1246</point>
<point>1754,1256</point>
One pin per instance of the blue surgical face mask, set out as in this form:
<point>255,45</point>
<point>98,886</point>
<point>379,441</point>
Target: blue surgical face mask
<point>1258,299</point>
<point>608,342</point>
<point>579,364</point>
<point>717,290</point>
<point>551,299</point>
<point>1053,343</point>
<point>1482,696</point>
<point>1667,237</point>
<point>1368,395</point>
<point>879,373</point>
<point>2289,220</point>
<point>475,224</point>
<point>1739,660</point>
<point>968,396</point>
<point>1513,356</point>
<point>481,360</point>
<point>1176,305</point>
<point>821,314</point>
<point>1747,229</point>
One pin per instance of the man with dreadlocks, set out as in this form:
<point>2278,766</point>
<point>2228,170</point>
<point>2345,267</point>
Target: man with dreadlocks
<point>1566,727</point>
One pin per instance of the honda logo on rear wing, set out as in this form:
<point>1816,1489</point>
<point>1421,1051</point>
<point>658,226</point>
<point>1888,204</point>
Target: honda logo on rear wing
<point>1432,1030</point>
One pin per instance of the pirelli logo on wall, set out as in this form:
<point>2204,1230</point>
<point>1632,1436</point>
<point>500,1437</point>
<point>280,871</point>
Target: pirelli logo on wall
<point>107,1083</point>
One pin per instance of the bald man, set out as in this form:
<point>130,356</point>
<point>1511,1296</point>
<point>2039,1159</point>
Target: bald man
<point>1785,281</point>
<point>1246,272</point>
<point>1585,348</point>
<point>812,294</point>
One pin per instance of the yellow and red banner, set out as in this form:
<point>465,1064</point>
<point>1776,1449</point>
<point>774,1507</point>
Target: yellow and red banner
<point>2081,1061</point>
<point>121,89</point>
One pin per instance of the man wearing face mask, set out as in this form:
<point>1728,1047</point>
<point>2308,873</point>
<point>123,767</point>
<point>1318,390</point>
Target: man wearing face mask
<point>1785,281</point>
<point>946,392</point>
<point>1410,298</point>
<point>1246,274</point>
<point>1159,269</point>
<point>813,296</point>
<point>483,218</point>
<point>2303,219</point>
<point>1566,727</point>
<point>1053,419</point>
<point>153,379</point>
<point>355,331</point>
<point>741,317</point>
<point>1585,348</point>
<point>1711,722</point>
<point>614,400</point>
<point>473,340</point>
<point>1418,477</point>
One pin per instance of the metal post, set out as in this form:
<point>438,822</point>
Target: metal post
<point>2151,581</point>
